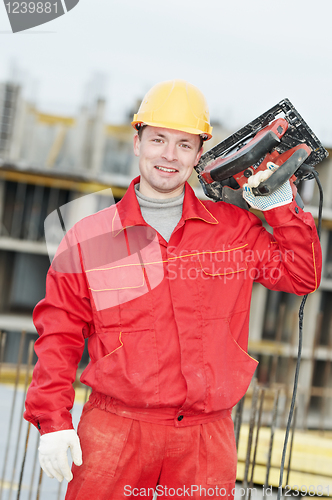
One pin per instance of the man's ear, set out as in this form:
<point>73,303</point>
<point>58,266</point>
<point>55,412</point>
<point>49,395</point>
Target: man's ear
<point>199,154</point>
<point>137,145</point>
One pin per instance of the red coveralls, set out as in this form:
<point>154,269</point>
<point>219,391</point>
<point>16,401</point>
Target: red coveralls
<point>167,324</point>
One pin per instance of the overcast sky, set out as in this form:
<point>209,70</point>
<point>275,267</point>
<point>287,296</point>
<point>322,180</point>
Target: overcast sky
<point>245,55</point>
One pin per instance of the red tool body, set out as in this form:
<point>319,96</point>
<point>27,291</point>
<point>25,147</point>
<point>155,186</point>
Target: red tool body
<point>275,129</point>
<point>285,141</point>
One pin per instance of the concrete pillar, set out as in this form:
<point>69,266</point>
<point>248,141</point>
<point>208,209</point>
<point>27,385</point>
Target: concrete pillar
<point>257,310</point>
<point>97,138</point>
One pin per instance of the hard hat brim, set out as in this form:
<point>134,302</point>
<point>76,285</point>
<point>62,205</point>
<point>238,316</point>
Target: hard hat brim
<point>173,126</point>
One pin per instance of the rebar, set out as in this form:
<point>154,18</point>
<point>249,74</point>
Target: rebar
<point>262,395</point>
<point>3,337</point>
<point>23,462</point>
<point>35,458</point>
<point>291,445</point>
<point>21,421</point>
<point>273,427</point>
<point>238,421</point>
<point>39,483</point>
<point>11,418</point>
<point>250,436</point>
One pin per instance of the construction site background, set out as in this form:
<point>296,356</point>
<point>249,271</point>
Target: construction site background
<point>48,161</point>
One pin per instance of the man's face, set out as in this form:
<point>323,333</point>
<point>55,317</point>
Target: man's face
<point>166,160</point>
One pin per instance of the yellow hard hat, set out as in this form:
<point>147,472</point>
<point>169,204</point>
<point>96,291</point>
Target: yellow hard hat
<point>175,104</point>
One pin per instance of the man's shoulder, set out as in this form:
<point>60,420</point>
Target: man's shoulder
<point>97,217</point>
<point>95,224</point>
<point>223,211</point>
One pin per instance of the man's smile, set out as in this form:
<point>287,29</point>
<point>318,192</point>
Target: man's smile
<point>166,169</point>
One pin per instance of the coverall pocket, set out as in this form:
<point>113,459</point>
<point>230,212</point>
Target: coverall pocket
<point>117,283</point>
<point>128,367</point>
<point>221,456</point>
<point>230,369</point>
<point>222,262</point>
<point>223,282</point>
<point>103,436</point>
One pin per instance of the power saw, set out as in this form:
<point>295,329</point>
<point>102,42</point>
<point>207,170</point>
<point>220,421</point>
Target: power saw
<point>280,135</point>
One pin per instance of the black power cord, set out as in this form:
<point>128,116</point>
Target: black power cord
<point>299,352</point>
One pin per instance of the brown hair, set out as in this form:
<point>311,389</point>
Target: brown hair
<point>142,127</point>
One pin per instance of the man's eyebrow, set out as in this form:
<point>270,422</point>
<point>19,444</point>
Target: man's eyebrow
<point>180,140</point>
<point>191,142</point>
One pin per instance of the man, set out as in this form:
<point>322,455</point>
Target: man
<point>160,284</point>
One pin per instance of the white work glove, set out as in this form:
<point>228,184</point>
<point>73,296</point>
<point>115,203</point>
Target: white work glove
<point>281,196</point>
<point>53,457</point>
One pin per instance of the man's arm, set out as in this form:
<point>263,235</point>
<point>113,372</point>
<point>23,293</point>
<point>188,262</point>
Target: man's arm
<point>291,259</point>
<point>63,319</point>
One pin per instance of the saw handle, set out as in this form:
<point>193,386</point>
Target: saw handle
<point>283,173</point>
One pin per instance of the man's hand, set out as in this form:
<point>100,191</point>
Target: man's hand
<point>281,196</point>
<point>53,458</point>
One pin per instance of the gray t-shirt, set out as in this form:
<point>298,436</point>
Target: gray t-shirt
<point>161,214</point>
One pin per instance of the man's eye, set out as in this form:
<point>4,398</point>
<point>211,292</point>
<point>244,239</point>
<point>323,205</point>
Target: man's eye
<point>156,140</point>
<point>186,146</point>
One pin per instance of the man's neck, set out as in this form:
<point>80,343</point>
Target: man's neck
<point>163,214</point>
<point>149,192</point>
<point>149,201</point>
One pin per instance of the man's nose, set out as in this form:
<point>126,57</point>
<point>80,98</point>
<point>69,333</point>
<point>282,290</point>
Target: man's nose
<point>170,152</point>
